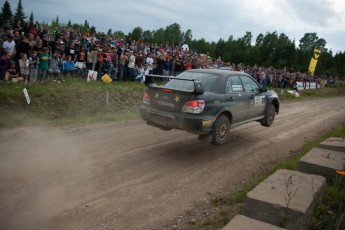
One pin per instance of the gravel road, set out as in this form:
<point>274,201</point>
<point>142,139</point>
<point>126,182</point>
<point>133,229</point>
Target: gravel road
<point>129,175</point>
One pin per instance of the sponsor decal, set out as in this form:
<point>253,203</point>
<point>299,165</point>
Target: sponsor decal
<point>168,104</point>
<point>177,99</point>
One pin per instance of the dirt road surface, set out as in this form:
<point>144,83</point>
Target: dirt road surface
<point>131,176</point>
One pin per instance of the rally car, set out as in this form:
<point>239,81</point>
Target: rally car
<point>207,102</point>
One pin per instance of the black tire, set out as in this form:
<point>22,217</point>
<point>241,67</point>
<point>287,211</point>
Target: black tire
<point>267,121</point>
<point>221,130</point>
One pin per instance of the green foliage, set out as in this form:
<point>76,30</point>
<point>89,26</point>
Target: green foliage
<point>329,214</point>
<point>19,15</point>
<point>6,13</point>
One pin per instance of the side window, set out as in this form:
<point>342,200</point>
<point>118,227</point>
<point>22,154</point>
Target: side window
<point>233,85</point>
<point>249,84</point>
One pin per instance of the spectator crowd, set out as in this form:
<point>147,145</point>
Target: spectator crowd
<point>33,54</point>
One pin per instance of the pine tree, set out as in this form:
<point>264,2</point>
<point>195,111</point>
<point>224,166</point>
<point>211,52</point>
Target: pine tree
<point>19,14</point>
<point>6,13</point>
<point>31,20</point>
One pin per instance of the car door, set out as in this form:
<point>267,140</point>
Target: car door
<point>236,99</point>
<point>256,98</point>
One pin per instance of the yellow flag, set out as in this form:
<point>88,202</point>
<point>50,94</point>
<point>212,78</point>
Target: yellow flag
<point>313,61</point>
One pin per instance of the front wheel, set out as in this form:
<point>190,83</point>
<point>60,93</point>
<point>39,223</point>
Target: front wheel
<point>269,116</point>
<point>221,130</point>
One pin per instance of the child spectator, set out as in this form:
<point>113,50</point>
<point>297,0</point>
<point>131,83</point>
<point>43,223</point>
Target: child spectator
<point>69,66</point>
<point>24,67</point>
<point>12,73</point>
<point>43,65</point>
<point>55,65</point>
<point>33,64</point>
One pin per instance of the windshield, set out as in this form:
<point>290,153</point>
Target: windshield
<point>206,79</point>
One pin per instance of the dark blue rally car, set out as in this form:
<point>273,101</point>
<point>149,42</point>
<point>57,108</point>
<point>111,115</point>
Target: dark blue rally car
<point>207,102</point>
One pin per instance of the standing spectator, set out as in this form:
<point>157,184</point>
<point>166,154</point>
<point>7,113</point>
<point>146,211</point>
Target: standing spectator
<point>160,65</point>
<point>167,66</point>
<point>71,50</point>
<point>8,24</point>
<point>10,46</point>
<point>22,47</point>
<point>43,64</point>
<point>122,62</point>
<point>81,61</point>
<point>33,64</point>
<point>149,62</point>
<point>31,40</point>
<point>38,47</point>
<point>131,67</point>
<point>24,67</point>
<point>16,37</point>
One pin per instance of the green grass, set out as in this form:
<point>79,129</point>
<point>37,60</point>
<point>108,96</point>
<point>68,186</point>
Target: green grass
<point>70,101</point>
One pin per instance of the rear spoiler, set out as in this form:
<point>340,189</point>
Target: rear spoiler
<point>151,79</point>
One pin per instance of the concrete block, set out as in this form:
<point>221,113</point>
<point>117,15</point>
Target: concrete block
<point>334,143</point>
<point>241,222</point>
<point>286,199</point>
<point>323,162</point>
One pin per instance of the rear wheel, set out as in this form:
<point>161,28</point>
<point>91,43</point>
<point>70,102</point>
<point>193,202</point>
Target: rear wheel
<point>269,117</point>
<point>221,130</point>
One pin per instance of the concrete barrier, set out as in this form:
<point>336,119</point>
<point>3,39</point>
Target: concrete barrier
<point>286,198</point>
<point>241,222</point>
<point>323,162</point>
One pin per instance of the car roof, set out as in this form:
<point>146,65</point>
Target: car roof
<point>217,71</point>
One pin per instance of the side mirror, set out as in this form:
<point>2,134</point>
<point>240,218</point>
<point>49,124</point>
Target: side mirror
<point>263,89</point>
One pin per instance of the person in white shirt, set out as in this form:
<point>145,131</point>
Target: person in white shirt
<point>10,46</point>
<point>149,62</point>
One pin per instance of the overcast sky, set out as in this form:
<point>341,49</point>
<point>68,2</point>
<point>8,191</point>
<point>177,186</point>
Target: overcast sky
<point>208,19</point>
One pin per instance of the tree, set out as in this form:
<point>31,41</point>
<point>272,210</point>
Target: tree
<point>19,15</point>
<point>69,24</point>
<point>158,36</point>
<point>6,13</point>
<point>310,41</point>
<point>137,33</point>
<point>93,30</point>
<point>110,32</point>
<point>31,20</point>
<point>86,24</point>
<point>147,36</point>
<point>173,34</point>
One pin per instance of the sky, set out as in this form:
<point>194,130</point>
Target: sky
<point>208,19</point>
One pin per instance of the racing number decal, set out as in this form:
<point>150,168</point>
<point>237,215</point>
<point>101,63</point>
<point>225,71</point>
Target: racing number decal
<point>259,101</point>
